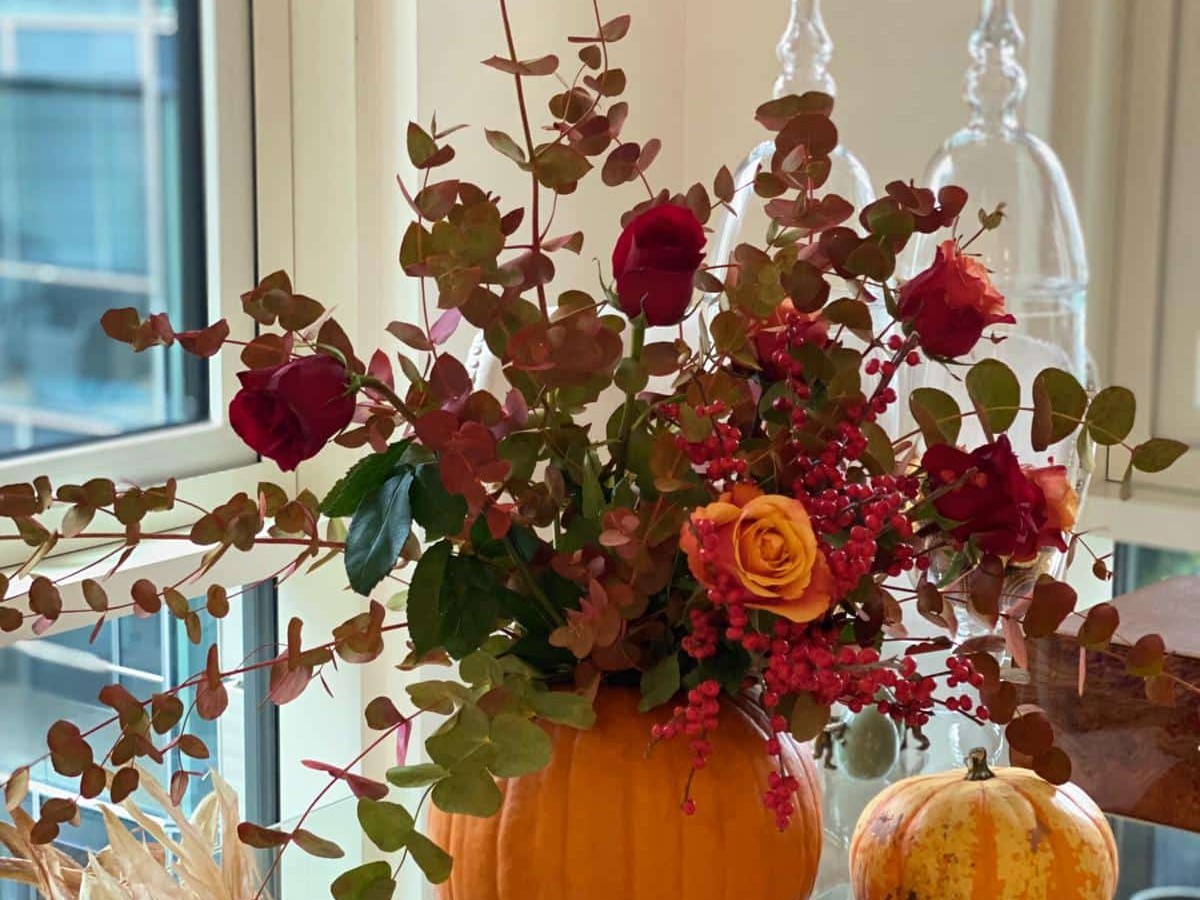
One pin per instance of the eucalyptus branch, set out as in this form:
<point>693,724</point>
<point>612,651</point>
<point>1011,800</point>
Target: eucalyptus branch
<point>535,207</point>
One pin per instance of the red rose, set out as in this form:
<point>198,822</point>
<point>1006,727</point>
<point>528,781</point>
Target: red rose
<point>996,505</point>
<point>772,338</point>
<point>951,303</point>
<point>289,412</point>
<point>654,262</point>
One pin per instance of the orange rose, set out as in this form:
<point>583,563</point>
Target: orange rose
<point>766,545</point>
<point>1062,503</point>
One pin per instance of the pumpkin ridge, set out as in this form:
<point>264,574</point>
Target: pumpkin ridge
<point>987,859</point>
<point>901,851</point>
<point>1100,822</point>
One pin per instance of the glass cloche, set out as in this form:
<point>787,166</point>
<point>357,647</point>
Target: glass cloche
<point>804,52</point>
<point>1037,255</point>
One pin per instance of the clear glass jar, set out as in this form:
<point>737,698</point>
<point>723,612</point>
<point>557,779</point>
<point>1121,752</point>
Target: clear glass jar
<point>804,52</point>
<point>1037,255</point>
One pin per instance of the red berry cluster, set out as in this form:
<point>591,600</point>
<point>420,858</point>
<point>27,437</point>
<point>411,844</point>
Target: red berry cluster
<point>715,457</point>
<point>695,720</point>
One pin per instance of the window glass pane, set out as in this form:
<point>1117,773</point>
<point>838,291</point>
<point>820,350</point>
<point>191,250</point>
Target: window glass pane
<point>1138,567</point>
<point>59,677</point>
<point>101,205</point>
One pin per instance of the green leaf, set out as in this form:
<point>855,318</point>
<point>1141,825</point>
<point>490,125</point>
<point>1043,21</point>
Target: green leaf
<point>365,476</point>
<point>937,414</point>
<point>557,165</point>
<point>439,697</point>
<point>1052,602</point>
<point>996,393</point>
<point>660,683</point>
<point>435,509</point>
<point>386,824</point>
<point>564,708</point>
<point>370,881</point>
<point>424,591</point>
<point>469,604</point>
<point>808,718</point>
<point>468,793</point>
<point>847,311</point>
<point>417,776</point>
<point>460,739</point>
<point>1157,454</point>
<point>480,668</point>
<point>1110,415</point>
<point>433,861</point>
<point>315,845</point>
<point>521,747</point>
<point>593,494</point>
<point>1059,402</point>
<point>378,532</point>
<point>505,145</point>
<point>881,456</point>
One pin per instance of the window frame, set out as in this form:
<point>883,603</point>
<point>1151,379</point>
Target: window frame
<point>230,226</point>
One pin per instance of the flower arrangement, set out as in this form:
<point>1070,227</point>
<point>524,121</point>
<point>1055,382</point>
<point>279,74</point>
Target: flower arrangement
<point>742,527</point>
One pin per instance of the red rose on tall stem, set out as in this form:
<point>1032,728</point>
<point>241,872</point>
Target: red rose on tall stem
<point>289,412</point>
<point>991,498</point>
<point>951,303</point>
<point>654,262</point>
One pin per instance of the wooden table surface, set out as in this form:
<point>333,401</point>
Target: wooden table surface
<point>1135,758</point>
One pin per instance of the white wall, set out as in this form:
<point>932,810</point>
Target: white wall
<point>698,69</point>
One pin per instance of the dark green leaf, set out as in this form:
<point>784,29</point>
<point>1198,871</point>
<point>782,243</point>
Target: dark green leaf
<point>996,393</point>
<point>660,683</point>
<point>386,824</point>
<point>1110,415</point>
<point>1157,454</point>
<point>424,593</point>
<point>377,533</point>
<point>436,510</point>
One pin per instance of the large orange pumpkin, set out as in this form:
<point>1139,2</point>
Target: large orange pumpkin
<point>602,821</point>
<point>1002,835</point>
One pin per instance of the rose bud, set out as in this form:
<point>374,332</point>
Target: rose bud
<point>654,262</point>
<point>951,303</point>
<point>289,412</point>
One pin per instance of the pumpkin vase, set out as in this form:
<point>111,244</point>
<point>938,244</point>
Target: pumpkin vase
<point>993,835</point>
<point>603,820</point>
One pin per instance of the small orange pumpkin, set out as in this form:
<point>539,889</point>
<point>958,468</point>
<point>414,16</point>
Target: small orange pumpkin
<point>1002,835</point>
<point>602,821</point>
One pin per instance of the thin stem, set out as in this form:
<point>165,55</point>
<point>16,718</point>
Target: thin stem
<point>369,381</point>
<point>535,206</point>
<point>621,457</point>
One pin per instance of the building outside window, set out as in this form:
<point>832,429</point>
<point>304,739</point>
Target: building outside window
<point>101,205</point>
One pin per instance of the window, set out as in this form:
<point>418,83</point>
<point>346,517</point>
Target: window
<point>125,180</point>
<point>99,168</point>
<point>58,677</point>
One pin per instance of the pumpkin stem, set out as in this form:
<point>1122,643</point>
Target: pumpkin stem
<point>977,767</point>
